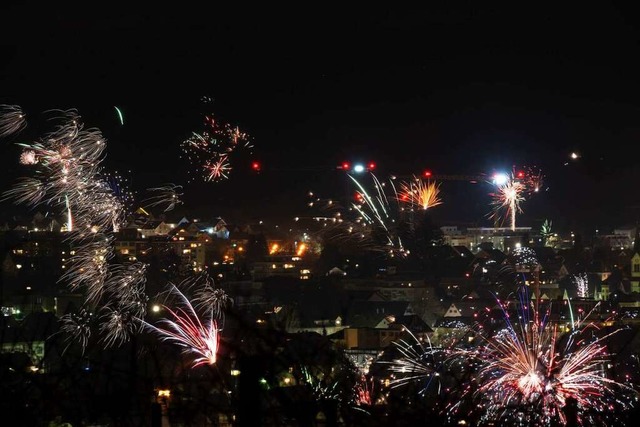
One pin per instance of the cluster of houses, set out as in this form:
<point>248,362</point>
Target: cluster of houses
<point>272,280</point>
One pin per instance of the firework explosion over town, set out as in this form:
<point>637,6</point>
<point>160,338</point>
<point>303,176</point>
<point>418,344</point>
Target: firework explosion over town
<point>253,220</point>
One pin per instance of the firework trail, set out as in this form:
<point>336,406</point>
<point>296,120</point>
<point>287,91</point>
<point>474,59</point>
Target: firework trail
<point>337,225</point>
<point>167,195</point>
<point>12,120</point>
<point>120,116</point>
<point>508,197</point>
<point>187,330</point>
<point>373,210</point>
<point>528,370</point>
<point>420,193</point>
<point>27,190</point>
<point>210,150</point>
<point>377,213</point>
<point>371,222</point>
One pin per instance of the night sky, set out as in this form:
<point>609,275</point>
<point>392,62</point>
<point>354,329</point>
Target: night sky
<point>457,90</point>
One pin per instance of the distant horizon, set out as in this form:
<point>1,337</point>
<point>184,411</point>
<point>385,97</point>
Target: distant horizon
<point>270,222</point>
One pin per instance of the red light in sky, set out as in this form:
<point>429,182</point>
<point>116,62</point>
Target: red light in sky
<point>427,174</point>
<point>372,165</point>
<point>345,166</point>
<point>255,166</point>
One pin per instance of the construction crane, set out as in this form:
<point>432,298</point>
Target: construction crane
<point>473,179</point>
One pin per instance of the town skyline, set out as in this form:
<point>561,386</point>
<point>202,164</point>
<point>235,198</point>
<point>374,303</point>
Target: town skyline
<point>319,215</point>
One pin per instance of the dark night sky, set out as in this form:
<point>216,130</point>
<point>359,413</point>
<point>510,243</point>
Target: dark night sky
<point>459,90</point>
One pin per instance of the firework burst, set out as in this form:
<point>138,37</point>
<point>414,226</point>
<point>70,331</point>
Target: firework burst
<point>210,151</point>
<point>526,372</point>
<point>120,187</point>
<point>117,325</point>
<point>28,157</point>
<point>77,327</point>
<point>332,386</point>
<point>510,192</point>
<point>212,298</point>
<point>581,282</point>
<point>321,387</point>
<point>417,363</point>
<point>126,288</point>
<point>185,329</point>
<point>88,268</point>
<point>546,231</point>
<point>533,179</point>
<point>67,176</point>
<point>507,198</point>
<point>217,169</point>
<point>534,367</point>
<point>206,296</point>
<point>363,391</point>
<point>420,193</point>
<point>524,259</point>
